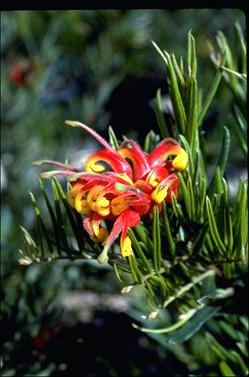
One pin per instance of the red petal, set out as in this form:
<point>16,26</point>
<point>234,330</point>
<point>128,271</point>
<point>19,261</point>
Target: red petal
<point>87,224</point>
<point>112,159</point>
<point>91,224</point>
<point>167,147</point>
<point>91,184</point>
<point>173,190</point>
<point>168,185</point>
<point>138,158</point>
<point>156,175</point>
<point>139,204</point>
<point>131,219</point>
<point>144,186</point>
<point>127,219</point>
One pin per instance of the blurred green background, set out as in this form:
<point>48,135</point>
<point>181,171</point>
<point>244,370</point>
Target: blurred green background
<point>99,67</point>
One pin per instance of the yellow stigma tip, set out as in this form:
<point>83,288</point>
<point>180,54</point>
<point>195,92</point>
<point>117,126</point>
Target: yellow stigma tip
<point>72,123</point>
<point>181,160</point>
<point>126,248</point>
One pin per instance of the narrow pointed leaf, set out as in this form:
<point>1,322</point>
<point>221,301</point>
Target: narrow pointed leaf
<point>159,115</point>
<point>192,116</point>
<point>113,139</point>
<point>134,269</point>
<point>194,324</point>
<point>175,95</point>
<point>240,136</point>
<point>191,55</point>
<point>77,231</point>
<point>211,93</point>
<point>241,222</point>
<point>198,241</point>
<point>243,46</point>
<point>185,194</point>
<point>216,186</point>
<point>157,257</point>
<point>228,218</point>
<point>178,71</point>
<point>169,237</point>
<point>191,198</point>
<point>146,264</point>
<point>160,51</point>
<point>189,50</point>
<point>144,237</point>
<point>40,223</point>
<point>59,220</point>
<point>224,150</point>
<point>28,238</point>
<point>203,192</point>
<point>193,58</point>
<point>177,209</point>
<point>224,46</point>
<point>117,273</point>
<point>187,148</point>
<point>226,370</point>
<point>242,123</point>
<point>213,229</point>
<point>53,218</point>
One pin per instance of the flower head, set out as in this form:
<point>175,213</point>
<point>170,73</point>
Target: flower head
<point>121,186</point>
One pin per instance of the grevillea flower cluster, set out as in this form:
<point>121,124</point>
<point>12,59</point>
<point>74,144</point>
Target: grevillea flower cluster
<point>121,186</point>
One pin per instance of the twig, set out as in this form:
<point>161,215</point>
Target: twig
<point>188,287</point>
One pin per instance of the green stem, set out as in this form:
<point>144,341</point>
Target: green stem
<point>188,287</point>
<point>173,327</point>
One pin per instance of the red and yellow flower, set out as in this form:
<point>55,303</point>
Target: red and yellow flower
<point>121,186</point>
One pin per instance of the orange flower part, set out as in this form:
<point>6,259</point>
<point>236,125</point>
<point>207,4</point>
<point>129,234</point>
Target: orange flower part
<point>119,187</point>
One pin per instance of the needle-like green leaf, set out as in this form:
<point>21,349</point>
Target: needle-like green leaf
<point>40,224</point>
<point>213,229</point>
<point>158,107</point>
<point>178,71</point>
<point>169,237</point>
<point>175,95</point>
<point>224,150</point>
<point>59,220</point>
<point>157,257</point>
<point>211,93</point>
<point>52,216</point>
<point>113,139</point>
<point>77,230</point>
<point>144,261</point>
<point>177,209</point>
<point>192,116</point>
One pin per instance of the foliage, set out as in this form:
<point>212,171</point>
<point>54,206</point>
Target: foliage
<point>191,259</point>
<point>62,83</point>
